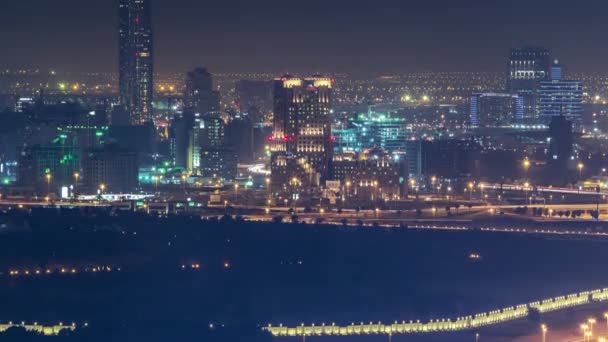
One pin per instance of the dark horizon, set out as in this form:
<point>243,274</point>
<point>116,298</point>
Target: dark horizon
<point>353,37</point>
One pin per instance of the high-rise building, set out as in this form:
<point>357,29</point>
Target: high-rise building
<point>113,166</point>
<point>199,96</point>
<point>208,132</point>
<point>136,59</point>
<point>302,125</point>
<point>495,109</point>
<point>561,142</point>
<point>218,162</point>
<point>179,139</point>
<point>50,166</point>
<point>240,134</point>
<point>448,158</point>
<point>558,97</point>
<point>527,67</point>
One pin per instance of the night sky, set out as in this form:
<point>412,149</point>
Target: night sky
<point>359,37</point>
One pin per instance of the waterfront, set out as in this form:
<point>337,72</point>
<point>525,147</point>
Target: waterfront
<point>252,274</point>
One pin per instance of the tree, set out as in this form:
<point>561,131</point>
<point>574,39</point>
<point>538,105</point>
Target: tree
<point>294,219</point>
<point>594,214</point>
<point>344,222</point>
<point>418,212</point>
<point>277,219</point>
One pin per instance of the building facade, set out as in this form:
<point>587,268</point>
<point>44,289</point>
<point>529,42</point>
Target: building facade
<point>114,167</point>
<point>302,123</point>
<point>371,176</point>
<point>495,109</point>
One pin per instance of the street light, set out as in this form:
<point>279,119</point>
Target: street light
<point>584,328</point>
<point>102,187</point>
<point>591,323</point>
<point>580,167</point>
<point>184,181</point>
<point>76,176</point>
<point>48,177</point>
<point>413,185</point>
<point>476,337</point>
<point>470,191</point>
<point>526,188</point>
<point>543,328</point>
<point>236,192</point>
<point>526,165</point>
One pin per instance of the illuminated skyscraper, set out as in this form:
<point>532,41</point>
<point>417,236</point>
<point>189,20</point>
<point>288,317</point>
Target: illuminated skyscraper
<point>528,66</point>
<point>203,103</point>
<point>136,59</point>
<point>302,125</point>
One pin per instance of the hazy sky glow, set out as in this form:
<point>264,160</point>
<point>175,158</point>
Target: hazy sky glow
<point>329,35</point>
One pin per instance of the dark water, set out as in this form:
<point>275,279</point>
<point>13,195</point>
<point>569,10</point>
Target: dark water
<point>277,274</point>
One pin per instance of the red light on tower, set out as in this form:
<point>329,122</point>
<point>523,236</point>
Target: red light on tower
<point>270,138</point>
<point>286,137</point>
<point>333,138</point>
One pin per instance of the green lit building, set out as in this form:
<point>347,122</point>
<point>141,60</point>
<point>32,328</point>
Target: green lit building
<point>49,167</point>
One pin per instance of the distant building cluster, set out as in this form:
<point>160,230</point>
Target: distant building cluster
<point>294,139</point>
<point>535,92</point>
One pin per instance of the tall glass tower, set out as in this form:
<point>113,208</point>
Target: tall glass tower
<point>136,59</point>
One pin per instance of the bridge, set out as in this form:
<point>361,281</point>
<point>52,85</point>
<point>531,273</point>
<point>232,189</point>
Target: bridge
<point>443,324</point>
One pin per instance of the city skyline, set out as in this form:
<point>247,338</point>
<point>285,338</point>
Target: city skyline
<point>268,171</point>
<point>264,37</point>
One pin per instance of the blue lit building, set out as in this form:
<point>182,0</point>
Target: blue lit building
<point>560,97</point>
